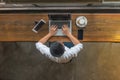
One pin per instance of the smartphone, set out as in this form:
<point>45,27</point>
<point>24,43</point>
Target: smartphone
<point>38,25</point>
<point>80,34</point>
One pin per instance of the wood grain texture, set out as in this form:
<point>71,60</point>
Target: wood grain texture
<point>18,27</point>
<point>102,27</point>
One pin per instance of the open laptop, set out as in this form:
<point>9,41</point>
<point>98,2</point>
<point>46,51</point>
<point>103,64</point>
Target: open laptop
<point>60,20</point>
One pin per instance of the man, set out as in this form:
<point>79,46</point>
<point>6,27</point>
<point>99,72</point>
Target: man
<point>58,52</point>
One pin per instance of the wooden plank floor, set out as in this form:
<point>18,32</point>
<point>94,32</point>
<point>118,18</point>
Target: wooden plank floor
<point>18,27</point>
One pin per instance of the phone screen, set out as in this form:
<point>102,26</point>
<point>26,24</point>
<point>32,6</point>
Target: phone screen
<point>80,34</point>
<point>38,25</point>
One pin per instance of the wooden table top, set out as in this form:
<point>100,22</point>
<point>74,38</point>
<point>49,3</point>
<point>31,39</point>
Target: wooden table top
<point>100,27</point>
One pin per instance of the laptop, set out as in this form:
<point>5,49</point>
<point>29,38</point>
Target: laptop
<point>60,20</point>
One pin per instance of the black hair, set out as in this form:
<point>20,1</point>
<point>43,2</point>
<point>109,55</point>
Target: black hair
<point>57,49</point>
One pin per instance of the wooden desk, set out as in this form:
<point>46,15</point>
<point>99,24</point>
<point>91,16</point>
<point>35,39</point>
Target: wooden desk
<point>18,27</point>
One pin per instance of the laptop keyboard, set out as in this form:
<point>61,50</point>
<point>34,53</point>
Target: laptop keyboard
<point>60,23</point>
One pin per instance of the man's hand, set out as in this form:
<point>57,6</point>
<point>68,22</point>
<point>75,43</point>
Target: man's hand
<point>53,30</point>
<point>65,29</point>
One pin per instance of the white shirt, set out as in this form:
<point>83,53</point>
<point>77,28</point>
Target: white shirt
<point>66,57</point>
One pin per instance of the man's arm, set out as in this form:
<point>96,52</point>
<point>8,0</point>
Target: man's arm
<point>53,31</point>
<point>73,51</point>
<point>69,35</point>
<point>73,39</point>
<point>45,38</point>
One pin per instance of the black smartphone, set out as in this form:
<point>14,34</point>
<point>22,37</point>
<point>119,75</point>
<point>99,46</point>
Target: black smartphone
<point>38,25</point>
<point>80,34</point>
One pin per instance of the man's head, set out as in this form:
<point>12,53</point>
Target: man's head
<point>57,49</point>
